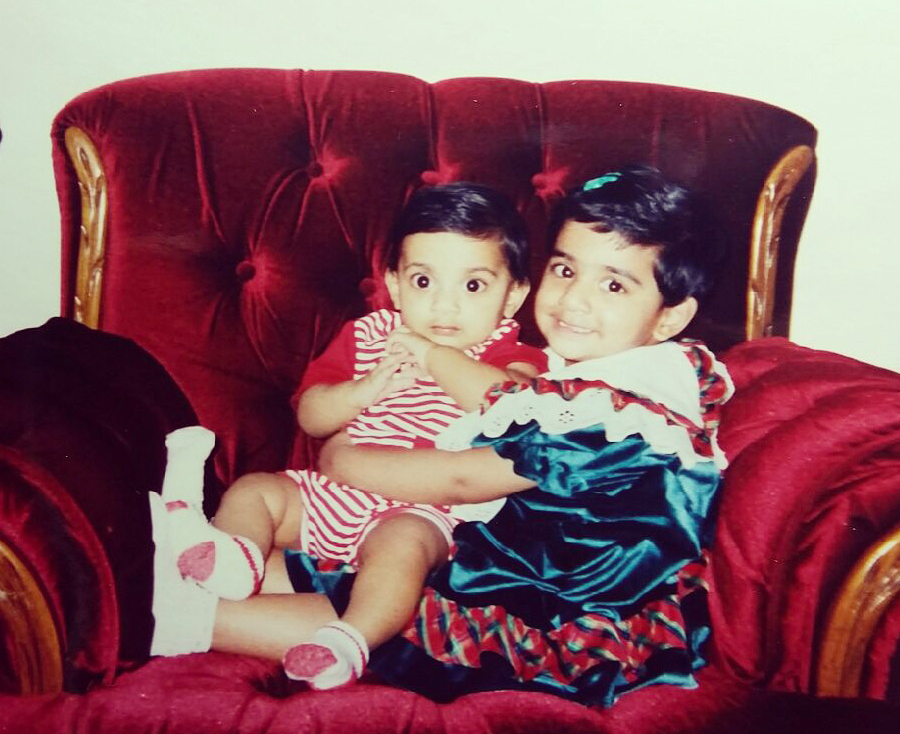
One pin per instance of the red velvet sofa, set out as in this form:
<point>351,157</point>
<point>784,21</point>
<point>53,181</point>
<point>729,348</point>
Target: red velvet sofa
<point>217,229</point>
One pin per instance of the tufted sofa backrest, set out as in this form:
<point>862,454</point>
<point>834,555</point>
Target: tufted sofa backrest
<point>231,220</point>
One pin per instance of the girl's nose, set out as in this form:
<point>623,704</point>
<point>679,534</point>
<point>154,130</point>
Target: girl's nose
<point>575,296</point>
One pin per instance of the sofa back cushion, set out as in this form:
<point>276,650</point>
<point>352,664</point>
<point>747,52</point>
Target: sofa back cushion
<point>248,208</point>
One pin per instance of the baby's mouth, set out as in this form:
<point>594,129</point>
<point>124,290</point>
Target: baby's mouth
<point>441,330</point>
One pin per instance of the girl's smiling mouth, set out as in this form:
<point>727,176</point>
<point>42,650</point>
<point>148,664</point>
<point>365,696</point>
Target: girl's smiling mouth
<point>570,328</point>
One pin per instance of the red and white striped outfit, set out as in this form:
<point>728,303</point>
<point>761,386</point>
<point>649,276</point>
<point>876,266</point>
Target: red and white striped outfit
<point>337,518</point>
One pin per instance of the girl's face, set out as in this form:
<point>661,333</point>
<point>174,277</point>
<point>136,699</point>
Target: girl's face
<point>453,289</point>
<point>599,296</point>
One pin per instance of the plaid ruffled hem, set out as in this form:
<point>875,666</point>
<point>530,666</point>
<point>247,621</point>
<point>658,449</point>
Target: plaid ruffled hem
<point>459,635</point>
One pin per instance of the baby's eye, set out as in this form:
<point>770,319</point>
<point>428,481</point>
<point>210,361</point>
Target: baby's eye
<point>611,285</point>
<point>561,270</point>
<point>474,285</point>
<point>421,281</point>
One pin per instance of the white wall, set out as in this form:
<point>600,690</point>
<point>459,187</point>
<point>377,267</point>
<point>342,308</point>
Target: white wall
<point>836,64</point>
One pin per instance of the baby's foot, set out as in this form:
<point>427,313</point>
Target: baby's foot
<point>230,566</point>
<point>336,657</point>
<point>187,450</point>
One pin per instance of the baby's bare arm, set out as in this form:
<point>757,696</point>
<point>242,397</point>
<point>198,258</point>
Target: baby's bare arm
<point>325,409</point>
<point>428,476</point>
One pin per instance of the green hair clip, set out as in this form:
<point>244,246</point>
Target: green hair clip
<point>596,183</point>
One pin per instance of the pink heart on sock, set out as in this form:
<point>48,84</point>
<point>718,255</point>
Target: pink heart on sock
<point>198,561</point>
<point>306,661</point>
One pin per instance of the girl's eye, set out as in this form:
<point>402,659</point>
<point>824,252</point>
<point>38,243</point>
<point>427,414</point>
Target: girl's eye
<point>611,285</point>
<point>473,286</point>
<point>421,281</point>
<point>561,270</point>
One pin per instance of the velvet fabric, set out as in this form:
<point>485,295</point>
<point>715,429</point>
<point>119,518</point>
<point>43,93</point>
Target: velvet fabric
<point>249,208</point>
<point>812,442</point>
<point>778,387</point>
<point>247,215</point>
<point>607,554</point>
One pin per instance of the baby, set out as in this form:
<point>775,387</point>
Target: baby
<point>456,273</point>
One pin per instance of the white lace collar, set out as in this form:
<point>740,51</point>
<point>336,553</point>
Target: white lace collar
<point>661,373</point>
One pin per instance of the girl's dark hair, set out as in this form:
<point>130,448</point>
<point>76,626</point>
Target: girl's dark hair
<point>646,209</point>
<point>468,209</point>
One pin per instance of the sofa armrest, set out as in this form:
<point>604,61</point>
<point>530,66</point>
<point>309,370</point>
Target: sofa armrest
<point>866,594</point>
<point>30,637</point>
<point>83,420</point>
<point>813,441</point>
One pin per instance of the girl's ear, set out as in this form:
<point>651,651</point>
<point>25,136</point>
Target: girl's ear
<point>393,287</point>
<point>515,298</point>
<point>674,319</point>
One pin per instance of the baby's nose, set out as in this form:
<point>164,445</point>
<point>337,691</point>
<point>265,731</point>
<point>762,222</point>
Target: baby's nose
<point>445,300</point>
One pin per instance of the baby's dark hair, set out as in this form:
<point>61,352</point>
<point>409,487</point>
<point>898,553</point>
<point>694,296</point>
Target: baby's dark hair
<point>646,209</point>
<point>468,209</point>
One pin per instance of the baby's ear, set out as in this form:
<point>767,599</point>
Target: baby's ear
<point>515,298</point>
<point>393,287</point>
<point>674,319</point>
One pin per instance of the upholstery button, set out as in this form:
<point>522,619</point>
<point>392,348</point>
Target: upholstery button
<point>244,271</point>
<point>314,169</point>
<point>549,184</point>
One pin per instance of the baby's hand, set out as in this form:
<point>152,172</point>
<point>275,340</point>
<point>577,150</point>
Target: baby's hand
<point>402,340</point>
<point>388,376</point>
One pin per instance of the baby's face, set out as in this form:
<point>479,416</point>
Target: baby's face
<point>453,289</point>
<point>598,295</point>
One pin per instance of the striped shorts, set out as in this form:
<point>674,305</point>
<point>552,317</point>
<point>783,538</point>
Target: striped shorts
<point>337,518</point>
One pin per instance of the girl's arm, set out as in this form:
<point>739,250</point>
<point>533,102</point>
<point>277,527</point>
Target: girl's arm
<point>467,380</point>
<point>464,379</point>
<point>427,476</point>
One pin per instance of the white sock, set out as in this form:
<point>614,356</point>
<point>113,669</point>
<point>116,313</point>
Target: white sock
<point>184,614</point>
<point>187,450</point>
<point>230,566</point>
<point>336,656</point>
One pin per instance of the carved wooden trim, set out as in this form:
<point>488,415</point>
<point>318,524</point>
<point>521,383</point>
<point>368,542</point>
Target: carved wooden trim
<point>864,596</point>
<point>31,637</point>
<point>765,238</point>
<point>92,243</point>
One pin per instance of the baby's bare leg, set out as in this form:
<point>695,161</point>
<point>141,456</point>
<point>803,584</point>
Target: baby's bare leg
<point>268,624</point>
<point>265,508</point>
<point>396,557</point>
<point>394,560</point>
<point>258,512</point>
